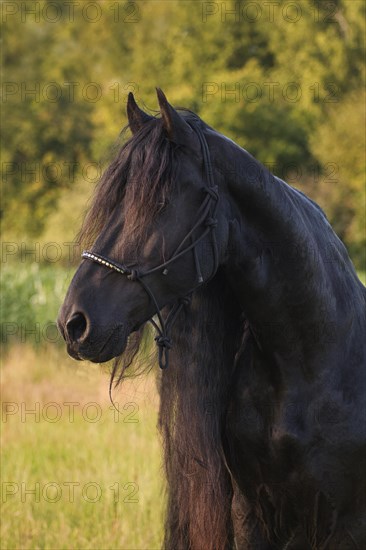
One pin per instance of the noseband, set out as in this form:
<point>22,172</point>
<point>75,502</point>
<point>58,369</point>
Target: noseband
<point>206,217</point>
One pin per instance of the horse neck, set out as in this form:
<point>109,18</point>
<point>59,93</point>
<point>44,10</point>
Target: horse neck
<point>289,271</point>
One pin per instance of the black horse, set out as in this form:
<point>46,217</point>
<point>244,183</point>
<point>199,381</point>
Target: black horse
<point>260,314</point>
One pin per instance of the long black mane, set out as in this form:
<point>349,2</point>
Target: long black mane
<point>194,400</point>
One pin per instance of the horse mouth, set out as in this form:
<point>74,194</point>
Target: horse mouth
<point>111,348</point>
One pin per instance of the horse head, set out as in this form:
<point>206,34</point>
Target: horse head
<point>157,234</point>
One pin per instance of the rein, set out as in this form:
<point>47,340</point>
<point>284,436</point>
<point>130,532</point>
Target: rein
<point>206,217</point>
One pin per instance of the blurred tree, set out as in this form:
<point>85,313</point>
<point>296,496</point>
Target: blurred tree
<point>57,76</point>
<point>276,77</point>
<point>339,145</point>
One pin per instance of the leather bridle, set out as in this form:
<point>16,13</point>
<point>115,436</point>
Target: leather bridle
<point>206,217</point>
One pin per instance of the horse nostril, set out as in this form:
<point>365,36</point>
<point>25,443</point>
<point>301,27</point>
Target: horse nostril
<point>76,326</point>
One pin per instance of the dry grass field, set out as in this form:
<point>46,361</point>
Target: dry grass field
<point>75,473</point>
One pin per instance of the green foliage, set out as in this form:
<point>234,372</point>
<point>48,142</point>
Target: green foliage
<point>276,77</point>
<point>339,144</point>
<point>31,297</point>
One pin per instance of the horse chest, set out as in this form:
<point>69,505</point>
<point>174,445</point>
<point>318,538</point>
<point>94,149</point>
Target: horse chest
<point>264,448</point>
<point>294,485</point>
<point>267,422</point>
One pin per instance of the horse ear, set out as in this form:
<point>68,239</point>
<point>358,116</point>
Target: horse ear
<point>175,126</point>
<point>136,117</point>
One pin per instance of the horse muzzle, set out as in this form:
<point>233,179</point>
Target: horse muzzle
<point>97,344</point>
